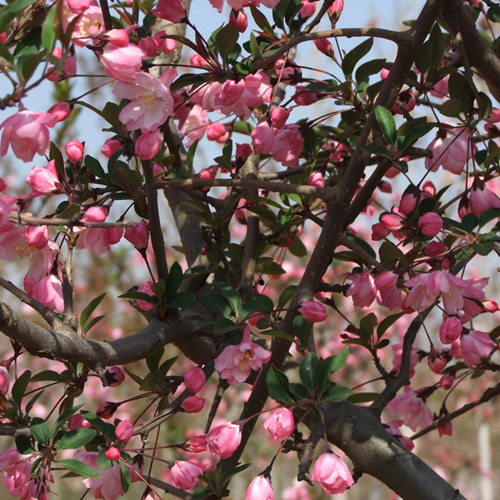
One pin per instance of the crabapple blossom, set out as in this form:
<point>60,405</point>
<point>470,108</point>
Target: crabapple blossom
<point>122,63</point>
<point>313,311</point>
<point>110,147</point>
<point>262,138</point>
<point>138,234</point>
<point>224,439</point>
<point>148,144</point>
<point>280,424</point>
<point>430,224</point>
<point>260,489</point>
<point>193,404</point>
<point>98,240</point>
<point>27,133</point>
<point>48,291</point>
<point>112,454</point>
<point>239,19</point>
<point>142,304</point>
<point>77,421</point>
<point>194,379</point>
<point>279,116</point>
<point>170,10</point>
<point>332,474</point>
<point>74,149</point>
<point>37,236</point>
<point>362,289</point>
<point>185,474</point>
<point>236,362</point>
<point>388,294</point>
<point>78,6</point>
<point>324,45</point>
<point>43,180</point>
<point>335,10</point>
<point>151,101</point>
<point>124,431</point>
<point>4,381</point>
<point>89,26</point>
<point>413,409</point>
<point>287,145</point>
<point>114,376</point>
<point>197,444</point>
<point>450,330</point>
<point>481,198</point>
<point>474,346</point>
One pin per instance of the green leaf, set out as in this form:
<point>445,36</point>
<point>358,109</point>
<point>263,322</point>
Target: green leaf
<point>286,296</point>
<point>218,304</point>
<point>79,468</point>
<point>226,39</point>
<point>174,280</point>
<point>102,462</point>
<point>261,20</point>
<point>232,296</point>
<point>48,32</point>
<point>258,303</point>
<point>106,429</point>
<point>489,215</point>
<point>451,107</point>
<point>86,313</point>
<point>75,438</point>
<point>93,322</point>
<point>63,418</point>
<point>224,325</point>
<point>367,325</point>
<point>299,391</point>
<point>125,478</point>
<point>333,363</point>
<point>362,243</point>
<point>278,333</point>
<point>40,430</point>
<point>415,134</point>
<point>45,376</point>
<point>386,123</point>
<point>19,387</point>
<point>278,385</point>
<point>153,361</point>
<point>369,68</point>
<point>24,446</point>
<point>337,393</point>
<point>493,13</point>
<point>483,248</point>
<point>138,295</point>
<point>373,149</point>
<point>309,370</point>
<point>387,322</point>
<point>353,57</point>
<point>363,397</point>
<point>181,300</point>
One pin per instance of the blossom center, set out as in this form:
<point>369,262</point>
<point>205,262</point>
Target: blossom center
<point>147,99</point>
<point>244,358</point>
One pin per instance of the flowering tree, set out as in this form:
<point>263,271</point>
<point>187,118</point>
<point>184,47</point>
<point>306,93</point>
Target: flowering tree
<point>366,185</point>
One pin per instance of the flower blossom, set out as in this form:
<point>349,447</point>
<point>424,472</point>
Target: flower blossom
<point>260,489</point>
<point>475,345</point>
<point>313,311</point>
<point>236,362</point>
<point>427,287</point>
<point>43,180</point>
<point>280,424</point>
<point>413,409</point>
<point>332,474</point>
<point>362,289</point>
<point>224,439</point>
<point>185,474</point>
<point>122,63</point>
<point>27,133</point>
<point>151,101</point>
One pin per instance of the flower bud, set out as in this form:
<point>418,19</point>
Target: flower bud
<point>313,311</point>
<point>194,379</point>
<point>74,149</point>
<point>430,224</point>
<point>124,431</point>
<point>148,144</point>
<point>114,376</point>
<point>193,404</point>
<point>138,235</point>
<point>280,424</point>
<point>110,147</point>
<point>239,19</point>
<point>112,454</point>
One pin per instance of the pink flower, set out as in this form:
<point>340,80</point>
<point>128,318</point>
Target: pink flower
<point>407,100</point>
<point>398,353</point>
<point>88,27</point>
<point>193,404</point>
<point>450,330</point>
<point>17,477</point>
<point>280,423</point>
<point>194,124</point>
<point>239,19</point>
<point>481,198</point>
<point>37,236</point>
<point>185,474</point>
<point>148,144</point>
<point>122,63</point>
<point>236,362</point>
<point>332,474</point>
<point>164,44</point>
<point>194,379</point>
<point>98,240</point>
<point>7,206</point>
<point>279,116</point>
<point>262,138</point>
<point>389,295</point>
<point>362,289</point>
<point>48,291</point>
<point>78,422</point>
<point>124,431</point>
<point>427,287</point>
<point>74,149</point>
<point>151,101</point>
<point>78,6</point>
<point>110,147</point>
<point>324,45</point>
<point>408,203</point>
<point>4,381</point>
<point>60,110</point>
<point>114,376</point>
<point>260,489</point>
<point>287,145</point>
<point>475,345</point>
<point>197,444</point>
<point>224,439</point>
<point>142,304</point>
<point>393,430</point>
<point>27,133</point>
<point>494,116</point>
<point>313,311</point>
<point>216,131</point>
<point>414,411</point>
<point>335,10</point>
<point>451,149</point>
<point>430,224</point>
<point>138,235</point>
<point>307,10</point>
<point>109,485</point>
<point>43,180</point>
<point>316,179</point>
<point>68,66</point>
<point>170,10</point>
<point>112,454</point>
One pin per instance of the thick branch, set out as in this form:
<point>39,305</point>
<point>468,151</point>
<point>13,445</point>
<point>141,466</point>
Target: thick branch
<point>359,433</point>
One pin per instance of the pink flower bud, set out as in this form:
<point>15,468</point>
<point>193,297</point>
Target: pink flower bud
<point>114,376</point>
<point>193,404</point>
<point>138,234</point>
<point>197,444</point>
<point>148,144</point>
<point>74,149</point>
<point>446,381</point>
<point>112,453</point>
<point>194,379</point>
<point>198,61</point>
<point>324,45</point>
<point>445,429</point>
<point>110,147</point>
<point>279,116</point>
<point>430,224</point>
<point>335,10</point>
<point>260,489</point>
<point>37,236</point>
<point>78,6</point>
<point>118,37</point>
<point>494,116</point>
<point>185,474</point>
<point>262,138</point>
<point>392,222</point>
<point>4,381</point>
<point>385,187</point>
<point>429,189</point>
<point>165,45</point>
<point>142,304</point>
<point>316,179</point>
<point>490,306</point>
<point>384,73</point>
<point>405,101</point>
<point>107,409</point>
<point>435,248</point>
<point>243,151</point>
<point>149,45</point>
<point>280,424</point>
<point>408,203</point>
<point>307,10</point>
<point>216,131</point>
<point>124,431</point>
<point>437,360</point>
<point>313,311</point>
<point>332,474</point>
<point>450,330</point>
<point>224,439</point>
<point>379,231</point>
<point>239,19</point>
<point>78,422</point>
<point>61,110</point>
